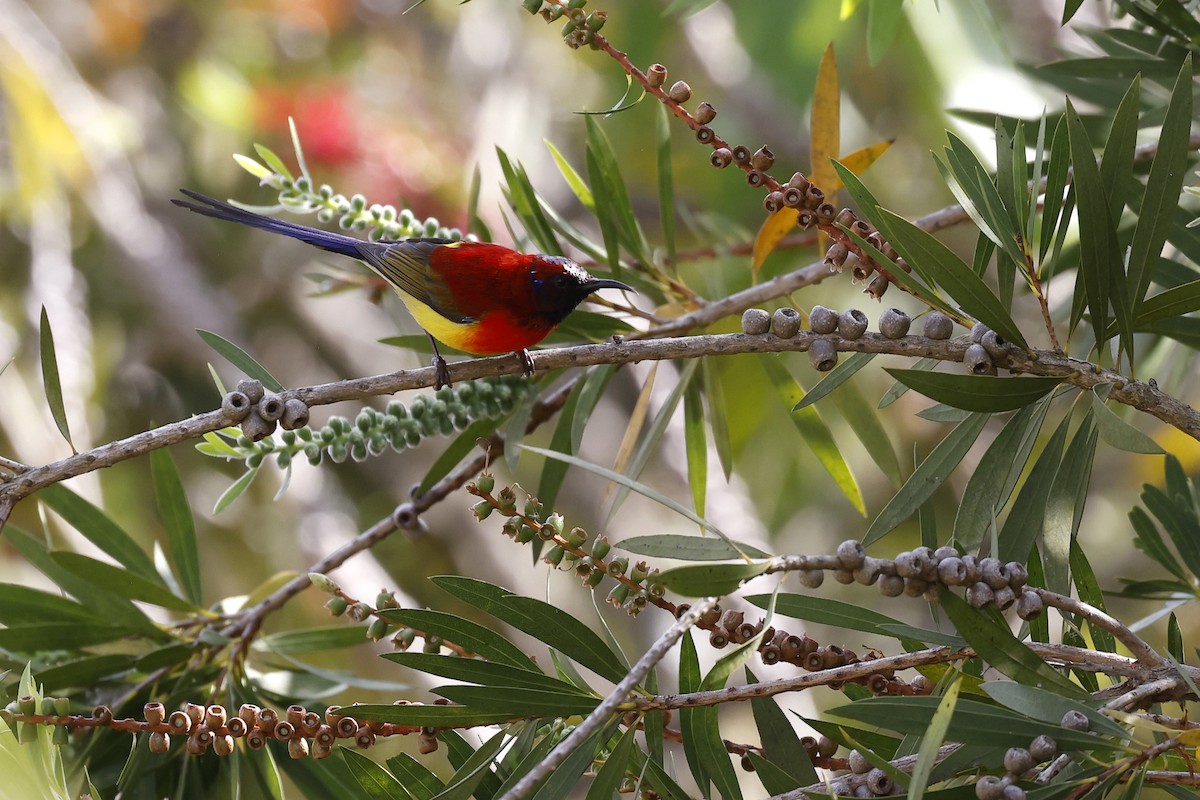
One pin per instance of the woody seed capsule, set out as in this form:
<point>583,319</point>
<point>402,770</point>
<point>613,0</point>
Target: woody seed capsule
<point>755,321</point>
<point>822,319</point>
<point>680,92</point>
<point>295,414</point>
<point>236,406</point>
<point>741,154</point>
<point>721,157</point>
<point>763,158</point>
<point>894,323</point>
<point>977,361</point>
<point>792,197</point>
<point>253,389</point>
<point>995,344</point>
<point>938,325</point>
<point>835,256</point>
<point>705,113</point>
<point>823,355</point>
<point>704,134</point>
<point>656,75</point>
<point>785,322</point>
<point>852,324</point>
<point>773,201</point>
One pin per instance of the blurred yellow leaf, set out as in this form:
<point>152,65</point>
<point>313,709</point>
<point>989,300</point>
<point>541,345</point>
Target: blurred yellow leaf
<point>826,123</point>
<point>774,228</point>
<point>848,9</point>
<point>858,161</point>
<point>1191,737</point>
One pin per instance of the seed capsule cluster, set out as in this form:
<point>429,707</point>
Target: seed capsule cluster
<point>1020,760</point>
<point>260,411</point>
<point>864,779</point>
<point>987,349</point>
<point>372,432</point>
<point>635,586</point>
<point>850,325</point>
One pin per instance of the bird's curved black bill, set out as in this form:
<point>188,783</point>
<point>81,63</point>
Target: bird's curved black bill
<point>596,284</point>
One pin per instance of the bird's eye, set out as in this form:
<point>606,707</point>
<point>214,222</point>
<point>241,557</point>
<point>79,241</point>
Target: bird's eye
<point>559,281</point>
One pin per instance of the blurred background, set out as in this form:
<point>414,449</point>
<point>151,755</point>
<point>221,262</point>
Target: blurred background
<point>110,106</point>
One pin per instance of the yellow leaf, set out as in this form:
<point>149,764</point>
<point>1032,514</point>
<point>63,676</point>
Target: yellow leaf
<point>826,123</point>
<point>1191,738</point>
<point>774,228</point>
<point>858,161</point>
<point>848,9</point>
<point>636,421</point>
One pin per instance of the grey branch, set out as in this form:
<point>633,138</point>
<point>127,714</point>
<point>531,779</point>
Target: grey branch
<point>598,718</point>
<point>1144,396</point>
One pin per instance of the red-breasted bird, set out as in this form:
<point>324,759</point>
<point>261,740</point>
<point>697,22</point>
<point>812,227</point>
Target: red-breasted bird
<point>477,297</point>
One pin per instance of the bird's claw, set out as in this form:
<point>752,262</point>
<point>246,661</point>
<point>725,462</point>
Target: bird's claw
<point>526,362</point>
<point>443,372</point>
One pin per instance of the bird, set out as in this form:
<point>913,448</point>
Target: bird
<point>478,297</point>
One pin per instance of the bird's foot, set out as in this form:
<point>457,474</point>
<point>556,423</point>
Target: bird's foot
<point>526,362</point>
<point>443,372</point>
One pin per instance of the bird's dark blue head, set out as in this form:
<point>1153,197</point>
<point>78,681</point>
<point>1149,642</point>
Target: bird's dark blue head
<point>559,285</point>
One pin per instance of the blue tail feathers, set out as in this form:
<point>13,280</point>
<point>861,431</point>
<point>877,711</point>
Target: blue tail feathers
<point>333,242</point>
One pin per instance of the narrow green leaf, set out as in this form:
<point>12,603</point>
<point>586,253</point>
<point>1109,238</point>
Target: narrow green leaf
<point>988,393</point>
<point>1148,540</point>
<point>519,701</point>
<point>375,782</point>
<point>465,780</point>
<point>120,580</point>
<point>898,389</point>
<point>416,778</point>
<point>51,381</point>
<point>1116,163</point>
<point>837,614</point>
<point>1024,522</point>
<point>99,529</point>
<point>1090,592</point>
<point>1118,433</point>
<point>815,432</point>
<point>1100,260</point>
<point>966,288</point>
<point>650,440</point>
<point>567,774</point>
<point>177,519</point>
<point>1050,706</point>
<point>927,477</point>
<point>240,359</point>
<point>612,772</point>
<point>931,742</point>
<point>574,180</point>
<point>431,715</point>
<point>690,722</point>
<point>718,423</point>
<point>1064,505</point>
<point>883,20</point>
<point>273,161</point>
<point>554,626</point>
<point>1174,302</point>
<point>235,490</point>
<point>688,548</point>
<point>1070,7</point>
<point>1167,173</point>
<point>666,183</point>
<point>696,445</point>
<point>311,640</point>
<point>1175,639</point>
<point>867,426</point>
<point>702,580</point>
<point>524,201</point>
<point>478,639</point>
<point>484,673</point>
<point>453,454</point>
<point>1056,185</point>
<point>589,396</point>
<point>780,742</point>
<point>42,637</point>
<point>1178,518</point>
<point>990,486</point>
<point>616,477</point>
<point>835,378</point>
<point>970,183</point>
<point>104,603</point>
<point>22,604</point>
<point>555,470</point>
<point>617,198</point>
<point>989,635</point>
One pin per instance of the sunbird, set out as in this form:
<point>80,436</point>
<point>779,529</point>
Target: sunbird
<point>477,297</point>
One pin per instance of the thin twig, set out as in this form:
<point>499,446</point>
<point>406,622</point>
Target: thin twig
<point>1141,651</point>
<point>609,706</point>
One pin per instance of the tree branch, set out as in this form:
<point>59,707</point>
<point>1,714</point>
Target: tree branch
<point>1145,397</point>
<point>610,705</point>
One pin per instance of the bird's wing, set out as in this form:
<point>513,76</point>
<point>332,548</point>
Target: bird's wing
<point>405,265</point>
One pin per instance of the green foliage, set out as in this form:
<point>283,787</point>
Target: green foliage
<point>1083,262</point>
